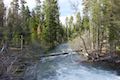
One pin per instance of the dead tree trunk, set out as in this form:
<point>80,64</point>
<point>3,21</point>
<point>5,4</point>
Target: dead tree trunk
<point>21,42</point>
<point>5,47</point>
<point>84,44</point>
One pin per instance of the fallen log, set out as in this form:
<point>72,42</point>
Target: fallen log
<point>60,53</point>
<point>50,55</point>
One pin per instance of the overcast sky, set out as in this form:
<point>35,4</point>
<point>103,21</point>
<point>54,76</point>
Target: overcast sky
<point>65,7</point>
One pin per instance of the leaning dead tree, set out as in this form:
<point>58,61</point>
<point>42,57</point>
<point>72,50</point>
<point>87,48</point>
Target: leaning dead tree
<point>75,7</point>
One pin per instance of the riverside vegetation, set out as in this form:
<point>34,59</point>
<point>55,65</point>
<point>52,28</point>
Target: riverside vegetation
<point>26,34</point>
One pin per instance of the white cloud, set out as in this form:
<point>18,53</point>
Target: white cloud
<point>30,3</point>
<point>66,9</point>
<point>7,2</point>
<point>62,18</point>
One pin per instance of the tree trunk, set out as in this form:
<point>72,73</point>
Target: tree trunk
<point>84,44</point>
<point>21,42</point>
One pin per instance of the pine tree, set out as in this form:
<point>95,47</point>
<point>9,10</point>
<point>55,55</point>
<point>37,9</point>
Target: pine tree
<point>52,25</point>
<point>71,26</point>
<point>13,22</point>
<point>67,27</point>
<point>25,19</point>
<point>2,13</point>
<point>39,19</point>
<point>78,22</point>
<point>33,27</point>
<point>2,20</point>
<point>114,28</point>
<point>9,26</point>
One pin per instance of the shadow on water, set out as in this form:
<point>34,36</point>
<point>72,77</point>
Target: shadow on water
<point>111,67</point>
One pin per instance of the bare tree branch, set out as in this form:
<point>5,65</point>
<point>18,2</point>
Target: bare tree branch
<point>74,5</point>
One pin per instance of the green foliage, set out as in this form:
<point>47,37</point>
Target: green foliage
<point>78,22</point>
<point>2,13</point>
<point>52,31</point>
<point>104,21</point>
<point>2,18</point>
<point>41,25</point>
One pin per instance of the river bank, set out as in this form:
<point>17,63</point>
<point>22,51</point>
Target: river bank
<point>30,57</point>
<point>14,63</point>
<point>112,59</point>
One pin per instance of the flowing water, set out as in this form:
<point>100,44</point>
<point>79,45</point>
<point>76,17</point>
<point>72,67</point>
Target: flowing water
<point>67,67</point>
